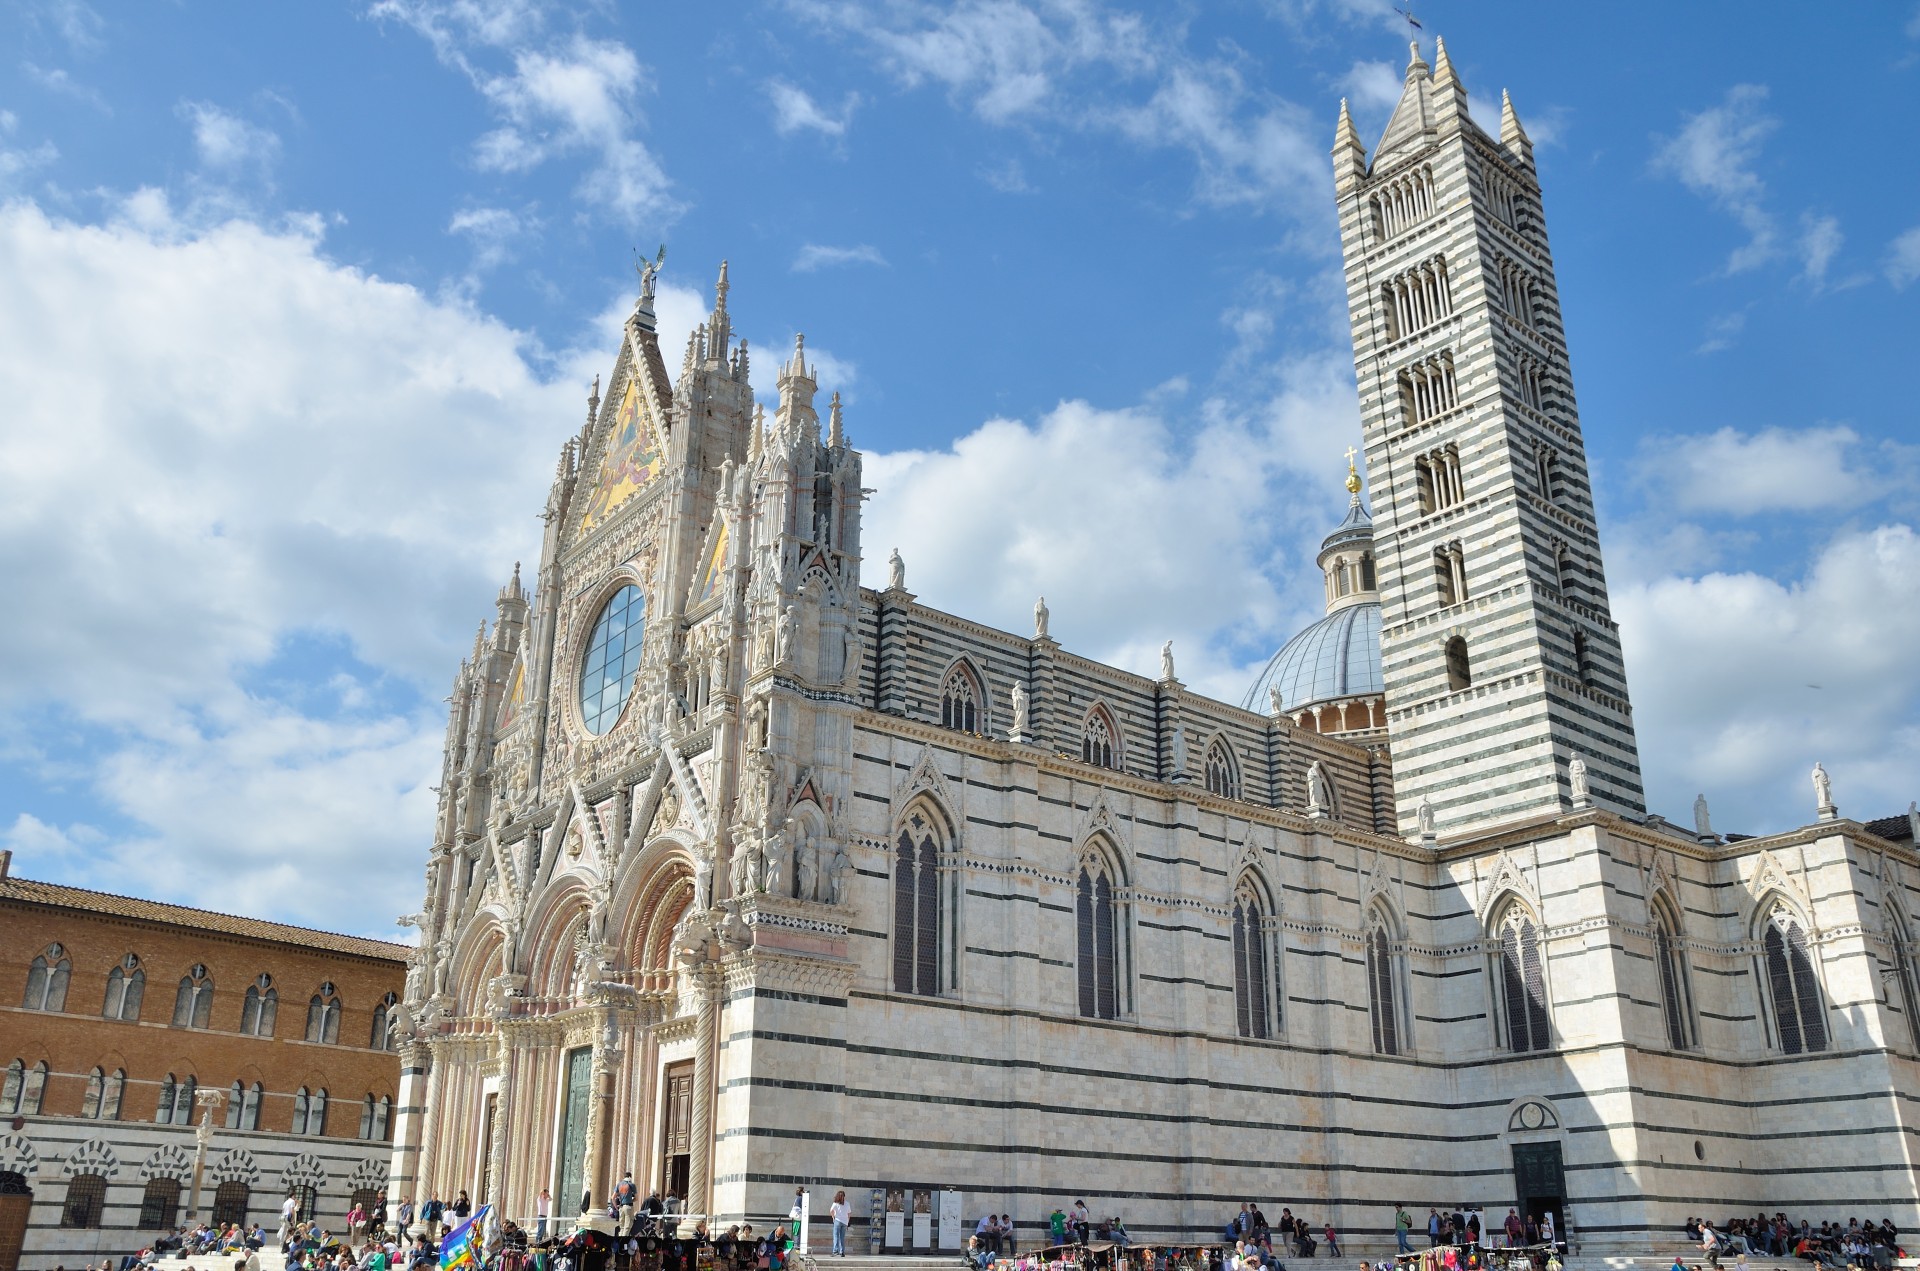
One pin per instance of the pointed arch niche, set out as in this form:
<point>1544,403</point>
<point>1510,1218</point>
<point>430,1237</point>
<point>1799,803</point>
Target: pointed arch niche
<point>923,901</point>
<point>1796,1008</point>
<point>662,897</point>
<point>1387,1006</point>
<point>1103,932</point>
<point>1519,978</point>
<point>1100,742</point>
<point>1256,959</point>
<point>963,699</point>
<point>1670,965</point>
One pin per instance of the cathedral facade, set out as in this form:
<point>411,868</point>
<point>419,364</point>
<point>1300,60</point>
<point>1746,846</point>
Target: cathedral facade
<point>751,871</point>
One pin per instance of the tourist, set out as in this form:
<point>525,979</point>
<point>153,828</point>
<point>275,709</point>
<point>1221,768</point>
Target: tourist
<point>1082,1228</point>
<point>1433,1228</point>
<point>625,1197</point>
<point>842,1214</point>
<point>1402,1226</point>
<point>1333,1242</point>
<point>1057,1224</point>
<point>542,1212</point>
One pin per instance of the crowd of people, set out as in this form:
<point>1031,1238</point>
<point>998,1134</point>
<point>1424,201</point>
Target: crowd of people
<point>1857,1244</point>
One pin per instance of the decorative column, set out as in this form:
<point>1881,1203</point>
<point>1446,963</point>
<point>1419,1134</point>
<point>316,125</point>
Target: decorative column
<point>496,1165</point>
<point>403,1172</point>
<point>202,1139</point>
<point>890,673</point>
<point>599,1111</point>
<point>708,984</point>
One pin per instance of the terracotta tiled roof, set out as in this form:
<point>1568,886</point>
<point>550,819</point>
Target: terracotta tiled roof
<point>30,892</point>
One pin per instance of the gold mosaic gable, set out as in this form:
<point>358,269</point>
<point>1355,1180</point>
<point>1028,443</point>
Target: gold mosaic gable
<point>631,457</point>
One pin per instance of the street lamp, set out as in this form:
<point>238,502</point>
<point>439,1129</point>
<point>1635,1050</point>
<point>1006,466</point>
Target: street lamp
<point>202,1138</point>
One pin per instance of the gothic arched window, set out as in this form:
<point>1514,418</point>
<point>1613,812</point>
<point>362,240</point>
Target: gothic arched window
<point>1100,938</point>
<point>86,1201</point>
<point>1459,673</point>
<point>1383,1005</point>
<point>381,1037</point>
<point>1670,963</point>
<point>175,1106</point>
<point>193,1003</point>
<point>1903,974</point>
<point>262,1007</point>
<point>14,1088</point>
<point>960,701</point>
<point>47,980</point>
<point>126,986</point>
<point>160,1204</point>
<point>230,1203</point>
<point>310,1111</point>
<point>110,1097</point>
<point>916,904</point>
<point>1222,778</point>
<point>1253,989</point>
<point>323,1015</point>
<point>1097,740</point>
<point>96,1091</point>
<point>1521,983</point>
<point>1799,1013</point>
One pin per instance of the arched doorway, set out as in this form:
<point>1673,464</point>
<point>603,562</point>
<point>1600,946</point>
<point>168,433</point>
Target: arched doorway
<point>16,1199</point>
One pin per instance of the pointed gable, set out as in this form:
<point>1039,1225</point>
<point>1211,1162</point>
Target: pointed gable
<point>1412,124</point>
<point>632,447</point>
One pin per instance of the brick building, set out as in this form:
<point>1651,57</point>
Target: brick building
<point>124,1023</point>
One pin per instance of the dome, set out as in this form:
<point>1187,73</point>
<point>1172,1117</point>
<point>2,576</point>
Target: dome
<point>1336,657</point>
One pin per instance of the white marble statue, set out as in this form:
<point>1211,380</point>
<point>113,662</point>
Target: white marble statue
<point>1179,748</point>
<point>789,634</point>
<point>1702,823</point>
<point>806,862</point>
<point>1317,800</point>
<point>1822,788</point>
<point>896,572</point>
<point>745,875</point>
<point>1426,817</point>
<point>1166,661</point>
<point>1040,615</point>
<point>1577,780</point>
<point>836,874</point>
<point>1913,820</point>
<point>776,854</point>
<point>1273,696</point>
<point>1021,710</point>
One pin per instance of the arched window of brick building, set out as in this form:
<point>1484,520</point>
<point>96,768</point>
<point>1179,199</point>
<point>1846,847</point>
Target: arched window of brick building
<point>160,1204</point>
<point>193,1003</point>
<point>261,1010</point>
<point>381,1036</point>
<point>86,1201</point>
<point>126,986</point>
<point>47,980</point>
<point>323,1015</point>
<point>230,1203</point>
<point>175,1106</point>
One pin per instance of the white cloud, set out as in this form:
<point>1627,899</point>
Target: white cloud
<point>1008,177</point>
<point>1820,240</point>
<point>1714,154</point>
<point>1723,330</point>
<point>561,97</point>
<point>816,256</point>
<point>1137,524</point>
<point>1373,88</point>
<point>795,111</point>
<point>1903,258</point>
<point>1740,682</point>
<point>1770,471</point>
<point>57,80</point>
<point>227,143</point>
<point>15,163</point>
<point>1072,64</point>
<point>492,231</point>
<point>286,455</point>
<point>76,23</point>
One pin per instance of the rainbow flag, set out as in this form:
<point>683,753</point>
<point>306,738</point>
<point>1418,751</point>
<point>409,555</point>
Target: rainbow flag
<point>460,1250</point>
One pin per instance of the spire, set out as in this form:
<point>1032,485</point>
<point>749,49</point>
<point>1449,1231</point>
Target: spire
<point>719,330</point>
<point>835,437</point>
<point>1349,153</point>
<point>1412,120</point>
<point>593,401</point>
<point>797,387</point>
<point>756,441</point>
<point>1443,72</point>
<point>1512,136</point>
<point>797,368</point>
<point>740,363</point>
<point>479,641</point>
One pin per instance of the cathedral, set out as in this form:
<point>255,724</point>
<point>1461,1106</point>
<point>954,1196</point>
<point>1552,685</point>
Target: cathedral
<point>750,871</point>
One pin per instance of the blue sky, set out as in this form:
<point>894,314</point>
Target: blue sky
<point>301,301</point>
